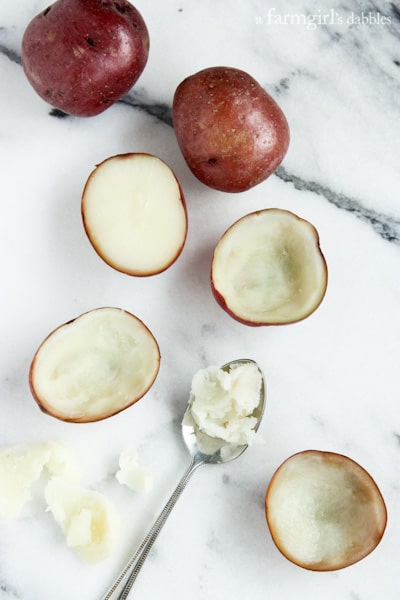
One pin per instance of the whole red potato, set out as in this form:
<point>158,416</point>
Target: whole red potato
<point>232,134</point>
<point>81,56</point>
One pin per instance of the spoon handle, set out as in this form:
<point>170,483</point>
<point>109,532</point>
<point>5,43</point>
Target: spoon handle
<point>123,583</point>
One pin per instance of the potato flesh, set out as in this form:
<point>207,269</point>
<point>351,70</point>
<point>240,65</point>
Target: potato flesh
<point>134,214</point>
<point>21,466</point>
<point>87,518</point>
<point>268,268</point>
<point>132,474</point>
<point>324,513</point>
<point>95,366</point>
<point>223,403</point>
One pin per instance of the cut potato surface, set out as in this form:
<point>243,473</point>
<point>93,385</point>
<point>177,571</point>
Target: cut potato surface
<point>134,214</point>
<point>268,268</point>
<point>94,366</point>
<point>324,511</point>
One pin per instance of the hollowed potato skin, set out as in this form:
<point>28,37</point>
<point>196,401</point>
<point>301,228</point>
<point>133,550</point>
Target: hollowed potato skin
<point>47,406</point>
<point>255,321</point>
<point>364,486</point>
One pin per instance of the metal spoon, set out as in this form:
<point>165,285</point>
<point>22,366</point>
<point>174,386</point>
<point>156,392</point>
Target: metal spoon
<point>203,450</point>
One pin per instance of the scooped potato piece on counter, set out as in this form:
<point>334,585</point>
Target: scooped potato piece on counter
<point>22,465</point>
<point>131,473</point>
<point>88,519</point>
<point>94,366</point>
<point>231,132</point>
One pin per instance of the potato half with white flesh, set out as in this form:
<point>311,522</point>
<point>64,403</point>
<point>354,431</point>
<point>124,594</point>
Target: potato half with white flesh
<point>324,511</point>
<point>94,366</point>
<point>268,269</point>
<point>134,214</point>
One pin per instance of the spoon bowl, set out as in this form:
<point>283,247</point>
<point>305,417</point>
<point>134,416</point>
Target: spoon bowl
<point>203,449</point>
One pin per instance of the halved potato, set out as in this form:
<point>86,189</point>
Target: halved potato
<point>94,366</point>
<point>268,269</point>
<point>324,511</point>
<point>134,213</point>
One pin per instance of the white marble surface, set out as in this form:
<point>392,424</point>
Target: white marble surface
<point>332,380</point>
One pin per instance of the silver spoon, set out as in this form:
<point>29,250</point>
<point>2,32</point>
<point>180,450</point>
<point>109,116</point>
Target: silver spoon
<point>203,450</point>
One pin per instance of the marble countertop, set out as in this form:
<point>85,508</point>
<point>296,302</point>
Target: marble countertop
<point>332,379</point>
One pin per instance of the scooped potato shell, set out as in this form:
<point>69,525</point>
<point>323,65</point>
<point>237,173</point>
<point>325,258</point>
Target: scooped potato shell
<point>94,366</point>
<point>324,511</point>
<point>268,269</point>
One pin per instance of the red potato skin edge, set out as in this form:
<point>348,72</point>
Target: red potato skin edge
<point>89,72</point>
<point>61,417</point>
<point>221,299</point>
<point>327,456</point>
<point>109,262</point>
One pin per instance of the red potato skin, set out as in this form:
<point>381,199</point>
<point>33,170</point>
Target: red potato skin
<point>328,457</point>
<point>98,250</point>
<point>81,56</point>
<point>222,302</point>
<point>232,134</point>
<point>45,408</point>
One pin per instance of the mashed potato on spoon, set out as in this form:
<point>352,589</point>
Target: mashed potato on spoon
<point>223,402</point>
